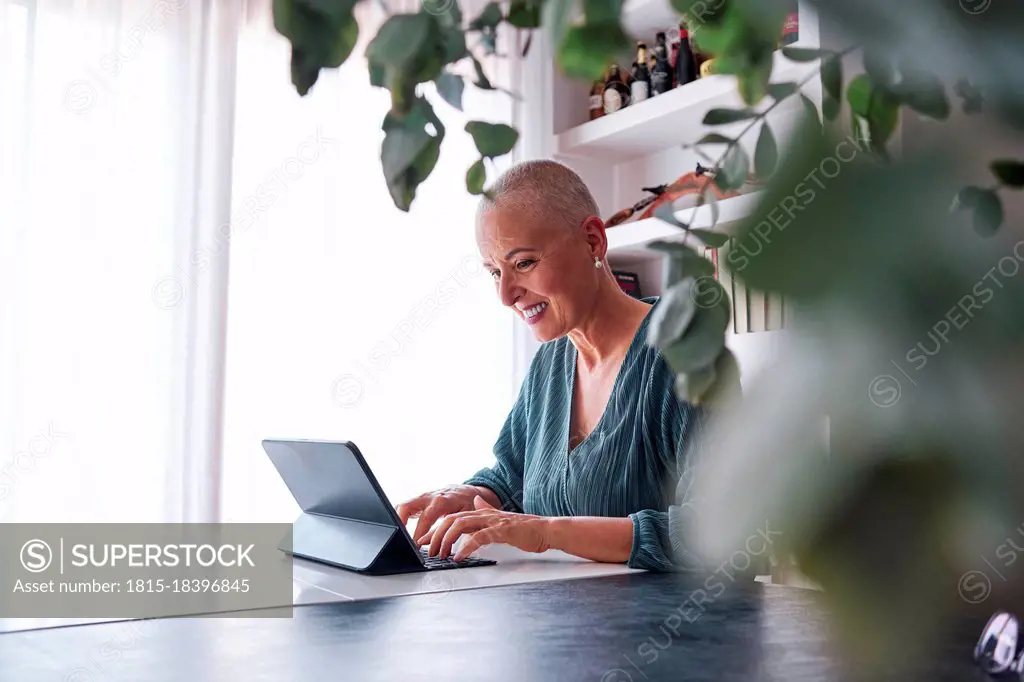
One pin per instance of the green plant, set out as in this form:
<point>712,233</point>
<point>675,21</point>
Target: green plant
<point>875,262</point>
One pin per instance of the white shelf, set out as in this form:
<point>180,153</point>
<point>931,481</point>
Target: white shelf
<point>672,119</point>
<point>630,240</point>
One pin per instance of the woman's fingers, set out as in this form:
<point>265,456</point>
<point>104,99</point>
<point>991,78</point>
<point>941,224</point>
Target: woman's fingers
<point>437,507</point>
<point>437,534</point>
<point>468,522</point>
<point>411,508</point>
<point>475,541</point>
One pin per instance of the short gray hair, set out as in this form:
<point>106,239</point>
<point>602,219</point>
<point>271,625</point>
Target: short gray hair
<point>544,190</point>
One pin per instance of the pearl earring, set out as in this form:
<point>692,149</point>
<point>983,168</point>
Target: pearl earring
<point>597,263</point>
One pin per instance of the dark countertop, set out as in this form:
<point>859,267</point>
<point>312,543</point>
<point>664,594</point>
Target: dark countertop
<point>630,628</point>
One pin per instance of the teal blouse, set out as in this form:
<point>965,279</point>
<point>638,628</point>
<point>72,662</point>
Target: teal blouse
<point>637,462</point>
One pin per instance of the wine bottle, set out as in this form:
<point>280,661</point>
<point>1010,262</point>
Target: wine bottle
<point>791,27</point>
<point>686,63</point>
<point>661,76</point>
<point>640,88</point>
<point>616,92</point>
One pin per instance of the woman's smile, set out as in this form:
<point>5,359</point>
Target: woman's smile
<point>533,314</point>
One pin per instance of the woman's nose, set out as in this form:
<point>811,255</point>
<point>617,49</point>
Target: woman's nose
<point>509,290</point>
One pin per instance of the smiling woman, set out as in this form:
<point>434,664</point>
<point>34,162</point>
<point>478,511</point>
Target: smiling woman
<point>596,456</point>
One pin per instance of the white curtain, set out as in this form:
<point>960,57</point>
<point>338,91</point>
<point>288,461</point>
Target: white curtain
<point>145,147</point>
<point>348,319</point>
<point>115,159</point>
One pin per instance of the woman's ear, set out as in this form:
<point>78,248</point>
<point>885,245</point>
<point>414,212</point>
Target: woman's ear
<point>597,239</point>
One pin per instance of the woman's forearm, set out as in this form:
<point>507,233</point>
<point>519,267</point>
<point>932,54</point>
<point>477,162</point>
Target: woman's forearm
<point>597,538</point>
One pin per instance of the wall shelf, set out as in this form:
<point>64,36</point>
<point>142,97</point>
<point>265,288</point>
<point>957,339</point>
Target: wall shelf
<point>629,240</point>
<point>672,119</point>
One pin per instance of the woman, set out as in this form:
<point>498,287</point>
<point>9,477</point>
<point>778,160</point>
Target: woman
<point>597,442</point>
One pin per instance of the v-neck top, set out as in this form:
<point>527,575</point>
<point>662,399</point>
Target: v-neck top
<point>637,461</point>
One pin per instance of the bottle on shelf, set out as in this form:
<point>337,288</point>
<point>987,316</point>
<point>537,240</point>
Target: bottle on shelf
<point>661,75</point>
<point>640,88</point>
<point>616,92</point>
<point>686,63</point>
<point>597,99</point>
<point>791,27</point>
<point>673,40</point>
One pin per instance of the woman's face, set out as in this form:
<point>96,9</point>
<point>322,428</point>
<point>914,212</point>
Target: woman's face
<point>545,272</point>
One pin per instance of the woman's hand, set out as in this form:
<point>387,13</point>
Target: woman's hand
<point>431,506</point>
<point>486,525</point>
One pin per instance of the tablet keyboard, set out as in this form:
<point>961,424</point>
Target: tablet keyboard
<point>433,562</point>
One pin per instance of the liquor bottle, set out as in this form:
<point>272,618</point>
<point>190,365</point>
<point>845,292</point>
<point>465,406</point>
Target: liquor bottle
<point>597,100</point>
<point>686,63</point>
<point>640,88</point>
<point>616,92</point>
<point>791,27</point>
<point>661,75</point>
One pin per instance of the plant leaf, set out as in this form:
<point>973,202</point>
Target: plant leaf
<point>714,138</point>
<point>721,116</point>
<point>408,152</point>
<point>400,40</point>
<point>321,37</point>
<point>586,50</point>
<point>492,139</point>
<point>734,169</point>
<point>766,154</point>
<point>782,90</point>
<point>476,176</point>
<point>404,139</point>
<point>804,54</point>
<point>482,81</point>
<point>880,70</point>
<point>858,94</point>
<point>704,337</point>
<point>829,107</point>
<point>490,17</point>
<point>681,261</point>
<point>923,92</point>
<point>859,130</point>
<point>711,200</point>
<point>524,14</point>
<point>692,386</point>
<point>966,198</point>
<point>1010,173</point>
<point>378,74</point>
<point>883,115</point>
<point>810,110</point>
<point>451,86</point>
<point>832,77</point>
<point>454,45</point>
<point>668,214</point>
<point>715,240</point>
<point>753,81</point>
<point>602,11</point>
<point>672,315</point>
<point>988,213</point>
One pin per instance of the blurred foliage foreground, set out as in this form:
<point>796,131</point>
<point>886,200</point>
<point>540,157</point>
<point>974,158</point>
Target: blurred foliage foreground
<point>905,279</point>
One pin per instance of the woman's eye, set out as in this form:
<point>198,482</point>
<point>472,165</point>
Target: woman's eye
<point>495,274</point>
<point>523,264</point>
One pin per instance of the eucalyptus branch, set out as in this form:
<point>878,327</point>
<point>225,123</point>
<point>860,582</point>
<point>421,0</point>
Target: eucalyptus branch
<point>759,118</point>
